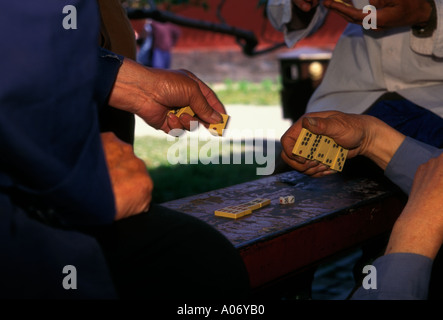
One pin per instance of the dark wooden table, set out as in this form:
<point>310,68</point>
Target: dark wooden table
<point>330,215</point>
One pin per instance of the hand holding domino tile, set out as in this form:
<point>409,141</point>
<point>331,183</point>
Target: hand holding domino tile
<point>151,93</point>
<point>214,128</point>
<point>320,148</point>
<point>359,134</point>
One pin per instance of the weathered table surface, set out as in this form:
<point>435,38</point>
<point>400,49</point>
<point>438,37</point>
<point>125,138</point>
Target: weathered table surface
<point>330,214</point>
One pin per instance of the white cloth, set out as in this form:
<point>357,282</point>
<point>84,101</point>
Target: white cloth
<point>366,64</point>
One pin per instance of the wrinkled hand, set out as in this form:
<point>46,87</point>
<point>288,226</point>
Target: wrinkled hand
<point>419,229</point>
<point>345,129</point>
<point>130,180</point>
<point>360,134</point>
<point>390,13</point>
<point>306,5</point>
<point>151,93</point>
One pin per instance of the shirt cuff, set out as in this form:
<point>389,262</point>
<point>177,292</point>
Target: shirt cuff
<point>405,162</point>
<point>108,67</point>
<point>399,276</point>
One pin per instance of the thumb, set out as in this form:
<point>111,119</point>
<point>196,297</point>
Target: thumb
<point>204,110</point>
<point>204,101</point>
<point>315,125</point>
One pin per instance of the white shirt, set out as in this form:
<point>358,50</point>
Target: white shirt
<point>366,64</point>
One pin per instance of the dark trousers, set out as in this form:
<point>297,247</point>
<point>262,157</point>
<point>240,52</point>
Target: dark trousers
<point>410,119</point>
<point>164,254</point>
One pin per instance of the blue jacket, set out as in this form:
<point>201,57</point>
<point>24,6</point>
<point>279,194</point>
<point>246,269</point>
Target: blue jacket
<point>53,175</point>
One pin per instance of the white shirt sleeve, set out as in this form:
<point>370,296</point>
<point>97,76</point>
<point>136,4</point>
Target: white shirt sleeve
<point>280,14</point>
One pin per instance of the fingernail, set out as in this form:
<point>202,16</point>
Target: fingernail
<point>216,117</point>
<point>312,121</point>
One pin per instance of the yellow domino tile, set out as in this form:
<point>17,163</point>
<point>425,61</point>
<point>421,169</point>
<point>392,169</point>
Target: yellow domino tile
<point>232,212</point>
<point>180,111</point>
<point>304,144</point>
<point>187,110</point>
<point>331,155</point>
<point>243,209</point>
<point>340,159</point>
<point>315,148</point>
<point>320,148</point>
<point>323,148</point>
<point>257,203</point>
<point>217,128</point>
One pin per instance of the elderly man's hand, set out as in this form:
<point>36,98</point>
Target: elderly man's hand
<point>390,13</point>
<point>151,93</point>
<point>130,180</point>
<point>419,229</point>
<point>360,134</point>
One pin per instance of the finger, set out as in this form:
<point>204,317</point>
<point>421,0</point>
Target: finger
<point>348,19</point>
<point>309,167</point>
<point>330,126</point>
<point>189,122</point>
<point>203,110</point>
<point>315,169</point>
<point>351,14</point>
<point>301,167</point>
<point>289,138</point>
<point>304,5</point>
<point>211,97</point>
<point>323,173</point>
<point>339,129</point>
<point>288,141</point>
<point>205,102</point>
<point>173,126</point>
<point>113,146</point>
<point>173,121</point>
<point>316,125</point>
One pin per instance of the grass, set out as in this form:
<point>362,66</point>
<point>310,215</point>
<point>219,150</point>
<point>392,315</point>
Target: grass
<point>264,93</point>
<point>174,181</point>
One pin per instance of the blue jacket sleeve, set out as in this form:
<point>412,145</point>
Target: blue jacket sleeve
<point>405,162</point>
<point>398,276</point>
<point>109,64</point>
